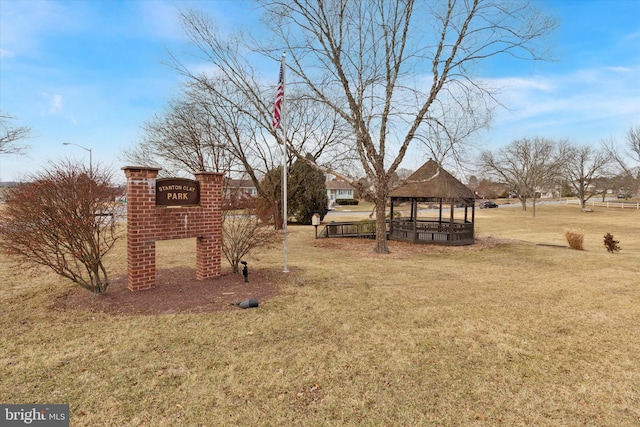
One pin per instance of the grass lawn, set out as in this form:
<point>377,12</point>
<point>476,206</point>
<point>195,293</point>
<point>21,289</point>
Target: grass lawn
<point>521,332</point>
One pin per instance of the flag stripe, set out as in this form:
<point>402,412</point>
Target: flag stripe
<point>277,108</point>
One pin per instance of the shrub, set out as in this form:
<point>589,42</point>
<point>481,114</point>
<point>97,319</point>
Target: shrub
<point>65,219</point>
<point>347,202</point>
<point>611,245</point>
<point>575,238</point>
<point>243,232</point>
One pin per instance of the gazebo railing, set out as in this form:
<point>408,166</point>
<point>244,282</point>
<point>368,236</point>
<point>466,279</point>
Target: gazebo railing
<point>402,229</point>
<point>432,231</point>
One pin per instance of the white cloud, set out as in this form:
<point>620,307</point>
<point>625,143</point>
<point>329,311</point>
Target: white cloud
<point>22,24</point>
<point>160,20</point>
<point>522,83</point>
<point>5,53</point>
<point>619,69</point>
<point>584,105</point>
<point>54,103</point>
<point>632,36</point>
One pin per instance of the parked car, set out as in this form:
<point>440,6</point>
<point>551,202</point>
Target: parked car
<point>622,196</point>
<point>487,204</point>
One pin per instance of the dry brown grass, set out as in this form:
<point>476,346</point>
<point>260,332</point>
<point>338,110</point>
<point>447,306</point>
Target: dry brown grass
<point>575,238</point>
<point>512,331</point>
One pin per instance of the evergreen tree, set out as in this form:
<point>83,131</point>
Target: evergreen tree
<point>307,192</point>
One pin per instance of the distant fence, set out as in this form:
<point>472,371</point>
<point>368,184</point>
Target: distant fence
<point>593,203</point>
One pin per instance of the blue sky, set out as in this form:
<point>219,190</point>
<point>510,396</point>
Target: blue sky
<point>91,72</point>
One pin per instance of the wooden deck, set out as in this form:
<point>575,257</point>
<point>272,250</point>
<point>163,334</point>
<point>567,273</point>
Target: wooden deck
<point>360,229</point>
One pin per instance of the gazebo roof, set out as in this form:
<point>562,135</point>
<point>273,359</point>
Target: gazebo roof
<point>431,180</point>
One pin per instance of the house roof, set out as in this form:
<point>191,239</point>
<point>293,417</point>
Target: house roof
<point>336,184</point>
<point>431,180</point>
<point>240,183</point>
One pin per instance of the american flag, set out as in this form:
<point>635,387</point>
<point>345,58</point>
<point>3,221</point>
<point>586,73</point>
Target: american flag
<point>277,108</point>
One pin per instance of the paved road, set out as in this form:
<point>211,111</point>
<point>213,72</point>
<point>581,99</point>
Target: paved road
<point>513,204</point>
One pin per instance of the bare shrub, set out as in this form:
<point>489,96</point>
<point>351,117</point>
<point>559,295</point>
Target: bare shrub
<point>64,219</point>
<point>243,231</point>
<point>612,246</point>
<point>575,238</point>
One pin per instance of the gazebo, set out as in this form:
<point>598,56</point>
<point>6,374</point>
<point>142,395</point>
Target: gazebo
<point>438,191</point>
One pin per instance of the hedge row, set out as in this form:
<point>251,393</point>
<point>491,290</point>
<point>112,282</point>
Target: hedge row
<point>347,202</point>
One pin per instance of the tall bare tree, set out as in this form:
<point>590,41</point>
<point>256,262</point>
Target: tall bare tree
<point>527,166</point>
<point>386,70</point>
<point>11,136</point>
<point>384,65</point>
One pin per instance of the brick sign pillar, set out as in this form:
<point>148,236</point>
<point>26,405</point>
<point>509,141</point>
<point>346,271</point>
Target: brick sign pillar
<point>147,222</point>
<point>209,244</point>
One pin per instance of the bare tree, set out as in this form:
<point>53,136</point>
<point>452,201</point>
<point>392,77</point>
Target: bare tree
<point>374,64</point>
<point>184,137</point>
<point>583,167</point>
<point>64,219</point>
<point>633,141</point>
<point>11,136</point>
<point>526,166</point>
<point>629,154</point>
<point>448,136</point>
<point>374,67</point>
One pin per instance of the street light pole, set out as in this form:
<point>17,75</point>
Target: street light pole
<point>84,148</point>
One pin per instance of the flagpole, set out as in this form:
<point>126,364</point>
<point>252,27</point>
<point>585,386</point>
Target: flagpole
<point>285,215</point>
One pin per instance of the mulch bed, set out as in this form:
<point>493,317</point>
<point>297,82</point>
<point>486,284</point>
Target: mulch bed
<point>176,291</point>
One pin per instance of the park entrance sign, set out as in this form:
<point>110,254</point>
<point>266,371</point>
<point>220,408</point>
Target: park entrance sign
<point>164,209</point>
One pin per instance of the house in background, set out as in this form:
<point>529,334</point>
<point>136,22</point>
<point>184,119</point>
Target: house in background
<point>240,188</point>
<point>337,190</point>
<point>238,193</point>
<point>5,187</point>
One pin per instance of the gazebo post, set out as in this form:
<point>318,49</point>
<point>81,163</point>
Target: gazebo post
<point>451,221</point>
<point>414,210</point>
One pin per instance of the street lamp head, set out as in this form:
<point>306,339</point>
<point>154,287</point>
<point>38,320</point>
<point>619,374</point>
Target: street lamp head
<point>84,148</point>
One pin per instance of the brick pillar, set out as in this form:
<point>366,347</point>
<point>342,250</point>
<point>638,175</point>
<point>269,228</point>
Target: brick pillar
<point>209,241</point>
<point>141,227</point>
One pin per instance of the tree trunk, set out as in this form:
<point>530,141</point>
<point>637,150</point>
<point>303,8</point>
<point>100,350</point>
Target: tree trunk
<point>534,206</point>
<point>523,200</point>
<point>381,227</point>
